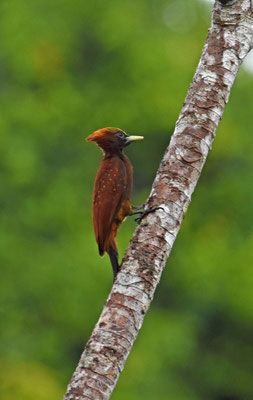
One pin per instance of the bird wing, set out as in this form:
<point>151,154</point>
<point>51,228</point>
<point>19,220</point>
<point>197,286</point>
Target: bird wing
<point>109,192</point>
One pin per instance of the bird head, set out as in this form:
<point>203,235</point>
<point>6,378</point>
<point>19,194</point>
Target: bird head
<point>112,140</point>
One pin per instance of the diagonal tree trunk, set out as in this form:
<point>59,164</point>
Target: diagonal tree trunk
<point>229,41</point>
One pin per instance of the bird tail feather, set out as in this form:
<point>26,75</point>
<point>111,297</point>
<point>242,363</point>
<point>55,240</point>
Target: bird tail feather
<point>113,254</point>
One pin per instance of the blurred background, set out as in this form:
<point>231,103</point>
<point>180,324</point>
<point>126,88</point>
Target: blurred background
<point>68,68</point>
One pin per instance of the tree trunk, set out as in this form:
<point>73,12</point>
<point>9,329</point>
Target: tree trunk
<point>229,41</point>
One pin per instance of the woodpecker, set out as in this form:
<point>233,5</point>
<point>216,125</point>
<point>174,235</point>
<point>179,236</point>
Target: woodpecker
<point>112,190</point>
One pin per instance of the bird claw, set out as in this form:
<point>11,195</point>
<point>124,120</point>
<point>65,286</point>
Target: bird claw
<point>137,210</point>
<point>146,212</point>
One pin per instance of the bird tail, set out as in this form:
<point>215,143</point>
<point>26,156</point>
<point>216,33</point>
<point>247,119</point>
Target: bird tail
<point>113,254</point>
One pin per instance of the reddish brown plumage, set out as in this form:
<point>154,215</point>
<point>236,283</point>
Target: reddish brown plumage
<point>112,189</point>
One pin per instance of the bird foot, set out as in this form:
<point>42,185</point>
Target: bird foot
<point>146,212</point>
<point>137,210</point>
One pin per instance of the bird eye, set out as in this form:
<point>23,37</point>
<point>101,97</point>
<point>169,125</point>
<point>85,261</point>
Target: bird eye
<point>120,135</point>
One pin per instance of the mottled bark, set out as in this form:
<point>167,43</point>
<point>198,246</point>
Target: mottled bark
<point>229,40</point>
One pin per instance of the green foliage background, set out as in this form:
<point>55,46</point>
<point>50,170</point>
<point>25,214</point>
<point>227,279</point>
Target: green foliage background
<point>68,68</point>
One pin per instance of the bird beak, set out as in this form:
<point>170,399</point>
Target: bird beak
<point>130,139</point>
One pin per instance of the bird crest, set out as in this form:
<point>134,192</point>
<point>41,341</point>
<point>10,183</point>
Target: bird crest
<point>101,133</point>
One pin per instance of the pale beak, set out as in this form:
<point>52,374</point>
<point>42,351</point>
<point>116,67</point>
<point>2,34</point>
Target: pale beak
<point>130,139</point>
